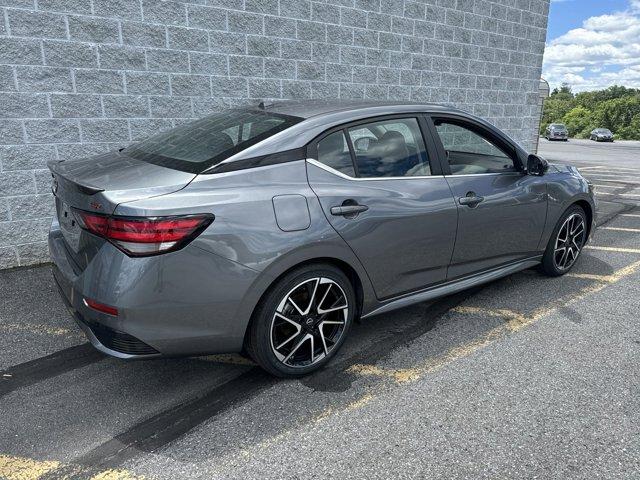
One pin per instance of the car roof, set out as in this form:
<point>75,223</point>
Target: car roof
<point>312,108</point>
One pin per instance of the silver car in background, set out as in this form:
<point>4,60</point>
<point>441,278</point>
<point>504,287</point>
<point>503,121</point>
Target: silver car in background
<point>268,230</point>
<point>556,131</point>
<point>601,135</point>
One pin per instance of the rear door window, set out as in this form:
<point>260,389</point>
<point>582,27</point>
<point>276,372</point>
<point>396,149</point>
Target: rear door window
<point>389,148</point>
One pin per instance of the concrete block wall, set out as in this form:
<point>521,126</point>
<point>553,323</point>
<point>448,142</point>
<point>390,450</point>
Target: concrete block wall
<point>79,77</point>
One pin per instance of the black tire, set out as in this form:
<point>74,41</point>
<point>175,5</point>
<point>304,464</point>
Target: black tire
<point>260,340</point>
<point>552,259</point>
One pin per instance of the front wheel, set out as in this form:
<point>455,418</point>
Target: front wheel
<point>566,242</point>
<point>302,321</point>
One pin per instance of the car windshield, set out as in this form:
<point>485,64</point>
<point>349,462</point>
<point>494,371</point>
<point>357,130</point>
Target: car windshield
<point>558,126</point>
<point>198,145</point>
<point>603,130</point>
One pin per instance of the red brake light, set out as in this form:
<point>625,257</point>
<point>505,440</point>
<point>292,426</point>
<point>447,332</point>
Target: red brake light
<point>139,236</point>
<point>101,307</point>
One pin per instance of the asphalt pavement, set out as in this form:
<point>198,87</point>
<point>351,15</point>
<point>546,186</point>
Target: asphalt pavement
<point>527,377</point>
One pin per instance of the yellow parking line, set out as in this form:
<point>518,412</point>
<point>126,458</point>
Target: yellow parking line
<point>21,468</point>
<point>621,229</point>
<point>228,358</point>
<point>630,215</point>
<point>613,249</point>
<point>590,276</point>
<point>40,329</point>
<point>515,321</point>
<point>18,468</point>
<point>115,475</point>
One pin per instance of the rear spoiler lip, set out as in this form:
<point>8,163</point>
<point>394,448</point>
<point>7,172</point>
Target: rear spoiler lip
<point>84,187</point>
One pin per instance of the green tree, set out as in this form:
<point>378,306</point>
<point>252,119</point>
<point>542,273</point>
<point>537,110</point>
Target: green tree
<point>554,110</point>
<point>579,122</point>
<point>616,108</point>
<point>562,93</point>
<point>621,116</point>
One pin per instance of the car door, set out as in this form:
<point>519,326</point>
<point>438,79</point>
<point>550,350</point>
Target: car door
<point>501,210</point>
<point>383,191</point>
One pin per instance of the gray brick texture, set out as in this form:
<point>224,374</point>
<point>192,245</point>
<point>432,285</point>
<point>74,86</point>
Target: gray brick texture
<point>80,77</point>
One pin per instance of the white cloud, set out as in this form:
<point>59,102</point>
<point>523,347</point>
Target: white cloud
<point>586,56</point>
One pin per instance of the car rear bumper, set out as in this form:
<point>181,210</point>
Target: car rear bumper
<point>178,304</point>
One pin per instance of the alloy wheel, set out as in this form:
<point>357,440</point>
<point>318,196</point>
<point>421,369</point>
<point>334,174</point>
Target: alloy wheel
<point>309,322</point>
<point>569,242</point>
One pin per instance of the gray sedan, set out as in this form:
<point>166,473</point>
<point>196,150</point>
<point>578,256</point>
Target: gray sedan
<point>556,131</point>
<point>268,230</point>
<point>601,135</point>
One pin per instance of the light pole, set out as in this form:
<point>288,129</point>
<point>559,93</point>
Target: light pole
<point>544,90</point>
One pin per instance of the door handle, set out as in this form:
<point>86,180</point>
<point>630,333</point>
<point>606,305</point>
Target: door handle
<point>348,210</point>
<point>471,200</point>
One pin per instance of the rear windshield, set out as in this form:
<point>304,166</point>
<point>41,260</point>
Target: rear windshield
<point>198,145</point>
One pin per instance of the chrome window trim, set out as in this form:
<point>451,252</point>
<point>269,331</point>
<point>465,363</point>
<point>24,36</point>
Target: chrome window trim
<point>484,174</point>
<point>327,168</point>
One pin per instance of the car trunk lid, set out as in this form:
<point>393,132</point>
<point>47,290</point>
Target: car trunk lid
<point>99,184</point>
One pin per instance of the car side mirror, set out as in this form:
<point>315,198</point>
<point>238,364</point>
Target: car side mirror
<point>537,165</point>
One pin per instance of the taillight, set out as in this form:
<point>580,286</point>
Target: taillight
<point>101,307</point>
<point>141,236</point>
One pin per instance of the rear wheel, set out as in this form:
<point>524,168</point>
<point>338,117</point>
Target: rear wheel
<point>303,321</point>
<point>566,242</point>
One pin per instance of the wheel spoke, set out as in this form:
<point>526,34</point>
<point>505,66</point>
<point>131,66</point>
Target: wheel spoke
<point>287,319</point>
<point>298,345</point>
<point>278,347</point>
<point>297,326</point>
<point>323,338</point>
<point>313,348</point>
<point>569,261</point>
<point>313,296</point>
<point>563,258</point>
<point>332,309</point>
<point>580,231</point>
<point>576,244</point>
<point>295,305</point>
<point>324,296</point>
<point>565,229</point>
<point>577,226</point>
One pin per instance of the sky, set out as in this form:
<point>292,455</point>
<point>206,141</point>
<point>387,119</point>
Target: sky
<point>593,44</point>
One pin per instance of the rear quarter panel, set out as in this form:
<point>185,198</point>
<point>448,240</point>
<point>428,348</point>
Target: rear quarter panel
<point>246,229</point>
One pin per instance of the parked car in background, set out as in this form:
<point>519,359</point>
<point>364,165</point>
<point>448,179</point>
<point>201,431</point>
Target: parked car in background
<point>601,135</point>
<point>556,131</point>
<point>270,229</point>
